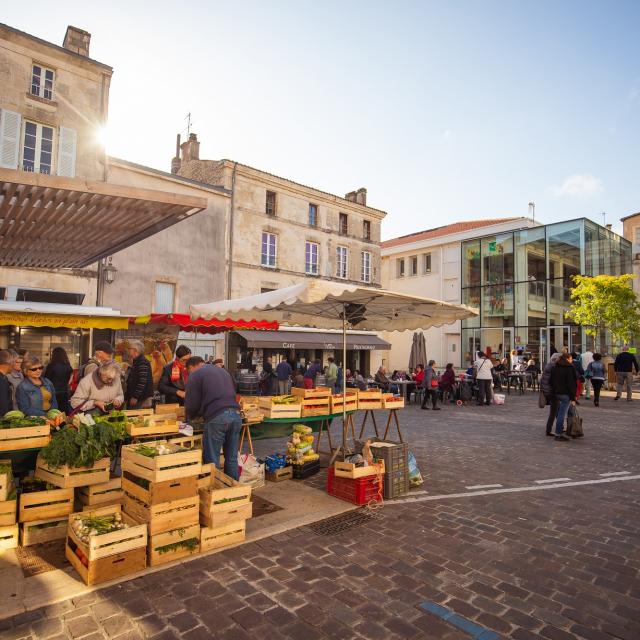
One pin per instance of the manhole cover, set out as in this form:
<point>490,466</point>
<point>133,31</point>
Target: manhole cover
<point>342,522</point>
<point>262,507</point>
<point>41,558</point>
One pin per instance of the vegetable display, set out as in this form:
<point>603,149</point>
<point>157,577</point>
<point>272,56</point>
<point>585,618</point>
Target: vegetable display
<point>16,419</point>
<point>152,451</point>
<point>86,527</point>
<point>285,400</point>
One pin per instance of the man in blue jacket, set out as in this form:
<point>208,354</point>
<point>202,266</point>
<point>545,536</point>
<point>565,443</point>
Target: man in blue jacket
<point>211,394</point>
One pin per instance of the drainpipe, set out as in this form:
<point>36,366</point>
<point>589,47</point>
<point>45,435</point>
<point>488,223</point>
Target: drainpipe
<point>230,262</point>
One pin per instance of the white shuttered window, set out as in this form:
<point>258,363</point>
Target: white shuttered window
<point>341,262</point>
<point>365,275</point>
<point>165,297</point>
<point>10,126</point>
<point>67,152</point>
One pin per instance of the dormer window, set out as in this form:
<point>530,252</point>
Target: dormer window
<point>42,82</point>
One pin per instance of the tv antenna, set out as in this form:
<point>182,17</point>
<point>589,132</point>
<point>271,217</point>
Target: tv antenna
<point>188,119</point>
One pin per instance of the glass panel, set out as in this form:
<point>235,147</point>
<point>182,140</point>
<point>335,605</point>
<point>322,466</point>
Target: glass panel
<point>530,248</point>
<point>470,346</point>
<point>559,299</point>
<point>35,80</point>
<point>591,249</point>
<point>471,263</point>
<point>563,250</point>
<point>48,84</point>
<point>497,259</point>
<point>530,303</point>
<point>313,215</point>
<point>471,298</point>
<point>497,305</point>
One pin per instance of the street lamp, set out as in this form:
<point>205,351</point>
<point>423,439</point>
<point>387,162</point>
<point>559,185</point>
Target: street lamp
<point>109,271</point>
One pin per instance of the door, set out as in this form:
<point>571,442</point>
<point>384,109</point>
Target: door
<point>452,340</point>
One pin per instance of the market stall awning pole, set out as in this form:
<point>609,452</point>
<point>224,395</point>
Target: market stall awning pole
<point>344,378</point>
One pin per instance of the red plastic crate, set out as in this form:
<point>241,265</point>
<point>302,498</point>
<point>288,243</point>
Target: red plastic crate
<point>357,491</point>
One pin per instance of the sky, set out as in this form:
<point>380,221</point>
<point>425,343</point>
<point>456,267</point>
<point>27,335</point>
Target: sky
<point>445,111</point>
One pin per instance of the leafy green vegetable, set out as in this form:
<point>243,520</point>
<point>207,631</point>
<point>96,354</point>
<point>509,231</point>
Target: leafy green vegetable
<point>16,422</point>
<point>191,544</point>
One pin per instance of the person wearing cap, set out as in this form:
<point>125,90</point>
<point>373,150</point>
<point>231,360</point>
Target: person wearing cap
<point>102,354</point>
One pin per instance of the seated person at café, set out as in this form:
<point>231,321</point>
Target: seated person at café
<point>359,381</point>
<point>447,381</point>
<point>384,382</point>
<point>418,375</point>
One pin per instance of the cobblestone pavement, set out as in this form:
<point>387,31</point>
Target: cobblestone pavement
<point>555,562</point>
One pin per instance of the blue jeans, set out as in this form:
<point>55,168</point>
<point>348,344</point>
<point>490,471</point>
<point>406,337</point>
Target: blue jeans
<point>564,402</point>
<point>223,431</point>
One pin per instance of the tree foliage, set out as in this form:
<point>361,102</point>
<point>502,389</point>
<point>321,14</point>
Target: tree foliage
<point>606,302</point>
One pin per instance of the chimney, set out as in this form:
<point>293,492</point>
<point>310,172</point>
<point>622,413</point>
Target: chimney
<point>191,148</point>
<point>77,40</point>
<point>351,196</point>
<point>361,196</point>
<point>175,161</point>
<point>609,226</point>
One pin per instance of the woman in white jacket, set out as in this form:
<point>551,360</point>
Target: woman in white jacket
<point>100,388</point>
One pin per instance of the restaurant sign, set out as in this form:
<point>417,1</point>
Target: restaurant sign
<point>61,320</point>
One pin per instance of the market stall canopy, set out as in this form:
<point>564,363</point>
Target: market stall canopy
<point>51,222</point>
<point>68,316</point>
<point>312,340</point>
<point>321,304</point>
<point>200,325</point>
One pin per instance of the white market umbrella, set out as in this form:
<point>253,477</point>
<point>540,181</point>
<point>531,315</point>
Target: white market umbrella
<point>331,305</point>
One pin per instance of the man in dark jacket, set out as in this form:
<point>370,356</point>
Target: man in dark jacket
<point>6,396</point>
<point>283,372</point>
<point>564,384</point>
<point>211,395</point>
<point>139,394</point>
<point>624,365</point>
<point>547,391</point>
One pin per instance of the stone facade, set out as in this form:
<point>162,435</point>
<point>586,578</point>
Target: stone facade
<point>631,231</point>
<point>289,222</point>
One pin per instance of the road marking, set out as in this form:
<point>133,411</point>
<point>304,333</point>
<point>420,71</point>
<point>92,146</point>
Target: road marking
<point>538,487</point>
<point>614,473</point>
<point>418,493</point>
<point>484,486</point>
<point>553,480</point>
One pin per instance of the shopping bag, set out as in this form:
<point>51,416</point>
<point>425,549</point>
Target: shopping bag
<point>542,400</point>
<point>251,471</point>
<point>574,424</point>
<point>415,477</point>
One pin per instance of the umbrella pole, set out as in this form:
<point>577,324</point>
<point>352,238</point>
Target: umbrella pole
<point>344,380</point>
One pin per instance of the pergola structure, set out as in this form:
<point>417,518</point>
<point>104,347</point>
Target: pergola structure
<point>51,222</point>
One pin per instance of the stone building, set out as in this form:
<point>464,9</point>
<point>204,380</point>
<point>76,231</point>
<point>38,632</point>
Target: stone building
<point>631,231</point>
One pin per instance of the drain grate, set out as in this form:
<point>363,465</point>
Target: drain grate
<point>342,522</point>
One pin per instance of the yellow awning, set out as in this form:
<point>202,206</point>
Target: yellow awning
<point>61,320</point>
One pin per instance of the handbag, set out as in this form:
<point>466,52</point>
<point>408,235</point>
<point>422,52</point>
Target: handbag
<point>542,400</point>
<point>574,424</point>
<point>434,383</point>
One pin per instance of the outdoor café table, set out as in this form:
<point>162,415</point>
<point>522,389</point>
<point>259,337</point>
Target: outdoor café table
<point>406,385</point>
<point>516,378</point>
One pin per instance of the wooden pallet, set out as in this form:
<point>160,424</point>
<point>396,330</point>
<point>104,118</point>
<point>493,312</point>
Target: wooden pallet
<point>219,537</point>
<point>159,540</point>
<point>43,505</point>
<point>275,411</point>
<point>166,467</point>
<point>224,494</point>
<point>154,425</point>
<point>392,402</point>
<point>25,438</point>
<point>100,494</point>
<point>284,473</point>
<point>9,537</point>
<point>108,544</point>
<point>8,512</point>
<point>34,533</point>
<point>165,516</point>
<point>316,406</point>
<point>66,476</point>
<point>6,480</point>
<point>318,392</point>
<point>108,568</point>
<point>349,470</point>
<point>159,492</point>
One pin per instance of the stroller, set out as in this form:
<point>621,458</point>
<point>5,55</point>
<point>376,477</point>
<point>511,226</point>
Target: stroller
<point>464,392</point>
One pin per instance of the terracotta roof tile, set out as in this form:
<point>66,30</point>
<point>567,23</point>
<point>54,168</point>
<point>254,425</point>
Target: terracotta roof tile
<point>456,227</point>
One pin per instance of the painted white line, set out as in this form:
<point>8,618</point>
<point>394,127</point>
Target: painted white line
<point>552,480</point>
<point>484,486</point>
<point>614,473</point>
<point>538,487</point>
<point>417,493</point>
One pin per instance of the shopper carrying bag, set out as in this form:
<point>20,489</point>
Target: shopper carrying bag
<point>574,424</point>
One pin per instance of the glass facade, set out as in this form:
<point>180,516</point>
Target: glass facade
<point>520,282</point>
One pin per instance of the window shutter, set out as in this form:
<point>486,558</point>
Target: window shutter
<point>9,139</point>
<point>67,152</point>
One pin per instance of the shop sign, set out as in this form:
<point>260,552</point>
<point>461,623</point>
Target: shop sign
<point>54,320</point>
<point>288,345</point>
<point>329,346</point>
<point>363,347</point>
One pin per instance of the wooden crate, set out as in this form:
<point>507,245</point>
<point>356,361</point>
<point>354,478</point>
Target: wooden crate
<point>66,476</point>
<point>25,438</point>
<point>274,411</point>
<point>392,402</point>
<point>349,470</point>
<point>173,408</point>
<point>8,537</point>
<point>34,532</point>
<point>108,568</point>
<point>222,518</point>
<point>316,407</point>
<point>44,505</point>
<point>8,513</point>
<point>338,401</point>
<point>165,516</point>
<point>101,494</point>
<point>205,479</point>
<point>167,467</point>
<point>187,442</point>
<point>156,542</point>
<point>216,538</point>
<point>371,399</point>
<point>137,413</point>
<point>318,392</point>
<point>108,544</point>
<point>154,425</point>
<point>6,480</point>
<point>284,473</point>
<point>159,492</point>
<point>224,494</point>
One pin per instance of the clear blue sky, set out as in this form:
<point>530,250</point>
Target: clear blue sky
<point>445,110</point>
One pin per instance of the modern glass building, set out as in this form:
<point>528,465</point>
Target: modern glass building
<point>520,282</point>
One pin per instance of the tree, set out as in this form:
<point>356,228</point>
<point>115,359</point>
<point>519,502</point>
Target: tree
<point>602,303</point>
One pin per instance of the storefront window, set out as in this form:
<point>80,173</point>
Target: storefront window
<point>471,264</point>
<point>471,298</point>
<point>497,305</point>
<point>497,259</point>
<point>530,254</point>
<point>564,249</point>
<point>531,303</point>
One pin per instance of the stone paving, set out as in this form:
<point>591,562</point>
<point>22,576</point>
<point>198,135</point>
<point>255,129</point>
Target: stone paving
<point>556,562</point>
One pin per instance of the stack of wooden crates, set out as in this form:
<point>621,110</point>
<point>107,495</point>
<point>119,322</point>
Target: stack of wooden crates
<point>8,526</point>
<point>162,493</point>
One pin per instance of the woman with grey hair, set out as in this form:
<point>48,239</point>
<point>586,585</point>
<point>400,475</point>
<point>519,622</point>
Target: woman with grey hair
<point>99,390</point>
<point>140,381</point>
